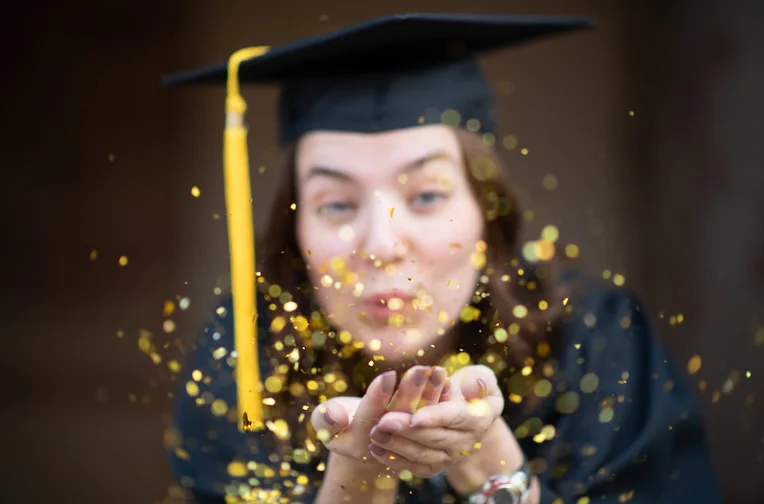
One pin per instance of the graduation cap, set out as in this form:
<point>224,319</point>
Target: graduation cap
<point>388,73</point>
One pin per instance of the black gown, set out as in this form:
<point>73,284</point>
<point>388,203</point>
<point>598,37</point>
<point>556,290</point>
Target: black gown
<point>638,437</point>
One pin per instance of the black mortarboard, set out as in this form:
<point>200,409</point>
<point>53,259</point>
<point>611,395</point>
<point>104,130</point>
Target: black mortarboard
<point>389,73</point>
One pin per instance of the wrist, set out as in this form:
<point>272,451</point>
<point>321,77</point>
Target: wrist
<point>498,453</point>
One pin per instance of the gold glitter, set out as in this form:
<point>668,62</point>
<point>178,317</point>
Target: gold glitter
<point>123,261</point>
<point>395,304</point>
<point>392,211</point>
<point>626,497</point>
<point>693,366</point>
<point>631,113</point>
<point>543,305</point>
<point>526,371</point>
<point>299,323</point>
<point>524,151</point>
<point>327,281</point>
<point>196,375</point>
<point>568,402</point>
<point>195,192</point>
<point>583,500</point>
<point>606,415</point>
<point>341,386</point>
<point>192,389</point>
<point>501,335</point>
<point>550,233</point>
<point>346,233</point>
<point>294,355</point>
<point>758,338</point>
<point>279,427</point>
<point>702,385</point>
<point>219,407</point>
<point>93,255</point>
<point>589,383</point>
<point>549,182</point>
<point>572,250</point>
<point>519,311</point>
<point>469,314</point>
<point>396,320</point>
<point>479,408</point>
<point>515,398</point>
<point>237,469</point>
<point>273,384</point>
<point>375,345</point>
<point>619,280</point>
<point>509,142</point>
<point>168,326</point>
<point>590,320</point>
<point>542,388</point>
<point>312,385</point>
<point>120,334</point>
<point>174,366</point>
<point>543,349</point>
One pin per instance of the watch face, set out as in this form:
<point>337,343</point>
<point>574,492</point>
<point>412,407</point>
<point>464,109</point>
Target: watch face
<point>506,496</point>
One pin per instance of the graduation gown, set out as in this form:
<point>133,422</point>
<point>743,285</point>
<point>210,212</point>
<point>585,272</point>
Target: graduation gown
<point>626,425</point>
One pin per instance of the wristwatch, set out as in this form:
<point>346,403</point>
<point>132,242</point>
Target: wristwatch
<point>504,488</point>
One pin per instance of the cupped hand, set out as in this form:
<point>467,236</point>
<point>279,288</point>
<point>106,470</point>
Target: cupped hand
<point>441,434</point>
<point>344,424</point>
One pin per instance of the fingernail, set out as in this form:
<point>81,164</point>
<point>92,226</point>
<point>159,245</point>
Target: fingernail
<point>437,376</point>
<point>388,382</point>
<point>377,450</point>
<point>328,418</point>
<point>446,388</point>
<point>381,437</point>
<point>390,426</point>
<point>420,377</point>
<point>483,387</point>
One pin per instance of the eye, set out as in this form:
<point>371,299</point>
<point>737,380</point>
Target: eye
<point>428,199</point>
<point>335,208</point>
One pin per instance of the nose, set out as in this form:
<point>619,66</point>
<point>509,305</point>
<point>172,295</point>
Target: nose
<point>386,236</point>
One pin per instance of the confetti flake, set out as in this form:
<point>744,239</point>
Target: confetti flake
<point>196,192</point>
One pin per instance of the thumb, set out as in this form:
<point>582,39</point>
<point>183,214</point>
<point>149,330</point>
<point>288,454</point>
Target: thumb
<point>478,382</point>
<point>333,416</point>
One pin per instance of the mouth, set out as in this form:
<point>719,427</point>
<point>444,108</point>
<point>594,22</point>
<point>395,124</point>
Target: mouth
<point>382,305</point>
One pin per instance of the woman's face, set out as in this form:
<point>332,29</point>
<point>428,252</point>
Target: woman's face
<point>387,225</point>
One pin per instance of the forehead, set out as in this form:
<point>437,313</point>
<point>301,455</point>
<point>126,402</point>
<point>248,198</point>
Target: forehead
<point>390,149</point>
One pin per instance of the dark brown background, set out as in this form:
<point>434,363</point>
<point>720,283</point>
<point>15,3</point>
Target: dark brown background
<point>671,196</point>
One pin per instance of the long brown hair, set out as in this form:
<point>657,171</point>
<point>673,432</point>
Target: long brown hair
<point>515,343</point>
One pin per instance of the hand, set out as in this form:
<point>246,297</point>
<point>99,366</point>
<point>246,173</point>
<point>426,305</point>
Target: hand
<point>440,435</point>
<point>343,424</point>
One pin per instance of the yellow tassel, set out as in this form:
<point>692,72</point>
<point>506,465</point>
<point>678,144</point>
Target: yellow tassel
<point>241,244</point>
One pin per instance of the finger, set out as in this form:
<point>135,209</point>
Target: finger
<point>400,463</point>
<point>374,402</point>
<point>441,438</point>
<point>410,390</point>
<point>410,450</point>
<point>477,382</point>
<point>475,416</point>
<point>329,419</point>
<point>434,386</point>
<point>445,394</point>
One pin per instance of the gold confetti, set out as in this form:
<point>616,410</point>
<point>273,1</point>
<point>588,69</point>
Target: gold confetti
<point>509,142</point>
<point>568,402</point>
<point>549,182</point>
<point>195,192</point>
<point>93,255</point>
<point>606,415</point>
<point>758,338</point>
<point>168,326</point>
<point>572,250</point>
<point>619,280</point>
<point>192,389</point>
<point>392,211</point>
<point>237,469</point>
<point>589,383</point>
<point>693,366</point>
<point>219,407</point>
<point>123,261</point>
<point>550,233</point>
<point>519,311</point>
<point>524,151</point>
<point>174,366</point>
<point>293,206</point>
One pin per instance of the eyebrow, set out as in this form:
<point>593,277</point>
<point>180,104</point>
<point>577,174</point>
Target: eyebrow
<point>318,171</point>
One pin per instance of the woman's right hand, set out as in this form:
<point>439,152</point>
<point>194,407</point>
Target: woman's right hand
<point>343,424</point>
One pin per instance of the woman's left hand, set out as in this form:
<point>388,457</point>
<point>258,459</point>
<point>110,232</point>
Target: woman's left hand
<point>435,437</point>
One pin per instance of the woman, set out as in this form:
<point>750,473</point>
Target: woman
<point>408,349</point>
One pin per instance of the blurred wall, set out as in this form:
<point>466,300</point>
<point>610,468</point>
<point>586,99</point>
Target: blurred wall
<point>99,157</point>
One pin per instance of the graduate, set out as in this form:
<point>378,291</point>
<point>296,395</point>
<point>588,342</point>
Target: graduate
<point>396,342</point>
